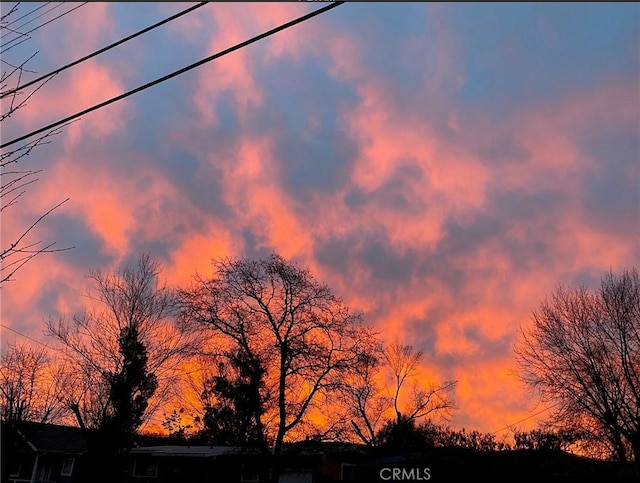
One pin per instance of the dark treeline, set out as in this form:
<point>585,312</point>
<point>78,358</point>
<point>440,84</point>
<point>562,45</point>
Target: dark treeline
<point>278,357</point>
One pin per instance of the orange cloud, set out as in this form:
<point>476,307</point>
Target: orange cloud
<point>445,227</point>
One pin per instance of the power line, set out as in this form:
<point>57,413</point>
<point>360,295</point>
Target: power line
<point>27,337</point>
<point>176,73</point>
<point>15,30</point>
<point>39,26</point>
<point>509,426</point>
<point>25,15</point>
<point>104,49</point>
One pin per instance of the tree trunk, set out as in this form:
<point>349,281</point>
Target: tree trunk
<point>282,423</point>
<point>256,403</point>
<point>635,445</point>
<point>619,446</point>
<point>75,409</point>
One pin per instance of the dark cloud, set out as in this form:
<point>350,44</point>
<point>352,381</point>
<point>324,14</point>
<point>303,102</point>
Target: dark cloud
<point>88,253</point>
<point>161,248</point>
<point>421,332</point>
<point>539,219</point>
<point>45,306</point>
<point>303,115</point>
<point>336,252</point>
<point>389,265</point>
<point>501,148</point>
<point>398,193</point>
<point>611,192</point>
<point>255,245</point>
<point>487,347</point>
<point>69,231</point>
<point>463,239</point>
<point>537,210</point>
<point>386,54</point>
<point>584,277</point>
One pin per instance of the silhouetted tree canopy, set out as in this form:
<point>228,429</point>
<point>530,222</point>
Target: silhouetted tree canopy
<point>31,385</point>
<point>124,350</point>
<point>402,434</point>
<point>582,352</point>
<point>132,386</point>
<point>541,440</point>
<point>277,315</point>
<point>235,416</point>
<point>388,383</point>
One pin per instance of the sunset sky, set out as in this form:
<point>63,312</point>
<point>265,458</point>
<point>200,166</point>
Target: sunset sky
<point>441,166</point>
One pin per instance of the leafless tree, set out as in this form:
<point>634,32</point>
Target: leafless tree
<point>277,314</point>
<point>14,178</point>
<point>365,396</point>
<point>31,385</point>
<point>132,306</point>
<point>582,352</point>
<point>404,363</point>
<point>375,391</point>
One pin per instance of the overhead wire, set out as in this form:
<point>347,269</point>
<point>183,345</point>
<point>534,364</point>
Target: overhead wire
<point>104,49</point>
<point>15,29</point>
<point>40,26</point>
<point>176,73</point>
<point>151,84</point>
<point>509,426</point>
<point>26,14</point>
<point>27,337</point>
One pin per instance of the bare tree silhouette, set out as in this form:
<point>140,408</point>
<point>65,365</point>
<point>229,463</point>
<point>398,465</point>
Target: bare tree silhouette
<point>31,385</point>
<point>278,315</point>
<point>124,353</point>
<point>582,351</point>
<point>14,178</point>
<point>375,391</point>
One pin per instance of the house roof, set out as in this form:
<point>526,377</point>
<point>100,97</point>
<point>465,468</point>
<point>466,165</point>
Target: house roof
<point>192,451</point>
<point>52,438</point>
<point>291,449</point>
<point>324,447</point>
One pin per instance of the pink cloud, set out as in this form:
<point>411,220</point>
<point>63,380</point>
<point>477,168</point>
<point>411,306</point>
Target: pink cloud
<point>444,179</point>
<point>82,86</point>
